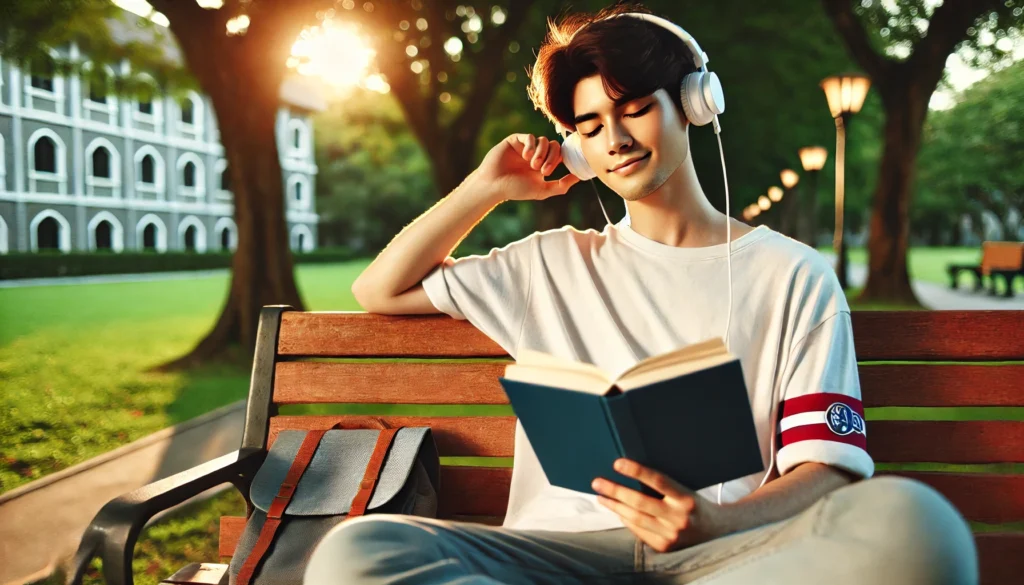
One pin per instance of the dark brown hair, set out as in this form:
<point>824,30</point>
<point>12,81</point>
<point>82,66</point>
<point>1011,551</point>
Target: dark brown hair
<point>634,58</point>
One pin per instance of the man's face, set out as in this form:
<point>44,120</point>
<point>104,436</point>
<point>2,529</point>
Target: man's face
<point>648,128</point>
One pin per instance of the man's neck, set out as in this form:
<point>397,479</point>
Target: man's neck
<point>679,214</point>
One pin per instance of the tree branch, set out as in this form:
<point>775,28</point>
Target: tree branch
<point>488,66</point>
<point>856,40</point>
<point>946,29</point>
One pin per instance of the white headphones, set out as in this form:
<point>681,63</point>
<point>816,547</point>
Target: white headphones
<point>703,100</point>
<point>701,95</point>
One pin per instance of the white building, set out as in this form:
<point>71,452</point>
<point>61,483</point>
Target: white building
<point>83,170</point>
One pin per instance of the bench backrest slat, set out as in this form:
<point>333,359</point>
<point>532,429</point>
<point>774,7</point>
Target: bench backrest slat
<point>1001,256</point>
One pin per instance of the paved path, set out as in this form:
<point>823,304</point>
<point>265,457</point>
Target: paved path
<point>41,523</point>
<point>105,278</point>
<point>941,297</point>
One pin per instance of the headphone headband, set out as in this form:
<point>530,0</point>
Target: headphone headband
<point>700,58</point>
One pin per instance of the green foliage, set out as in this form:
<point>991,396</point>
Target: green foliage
<point>374,179</point>
<point>970,156</point>
<point>894,27</point>
<point>106,36</point>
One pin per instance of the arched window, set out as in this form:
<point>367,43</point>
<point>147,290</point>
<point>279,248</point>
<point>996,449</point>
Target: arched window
<point>101,163</point>
<point>99,104</point>
<point>223,179</point>
<point>102,169</point>
<point>191,176</point>
<point>302,238</point>
<point>147,108</point>
<point>49,230</point>
<point>45,151</point>
<point>298,138</point>
<point>149,172</point>
<point>151,233</point>
<point>149,169</point>
<point>105,232</point>
<point>4,245</point>
<point>227,233</point>
<point>44,89</point>
<point>190,119</point>
<point>299,192</point>
<point>192,234</point>
<point>47,170</point>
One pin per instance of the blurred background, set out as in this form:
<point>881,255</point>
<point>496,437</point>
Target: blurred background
<point>166,168</point>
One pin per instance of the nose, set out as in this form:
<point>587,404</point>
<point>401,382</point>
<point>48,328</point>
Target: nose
<point>618,139</point>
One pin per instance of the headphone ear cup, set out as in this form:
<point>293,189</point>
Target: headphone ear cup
<point>573,159</point>
<point>702,97</point>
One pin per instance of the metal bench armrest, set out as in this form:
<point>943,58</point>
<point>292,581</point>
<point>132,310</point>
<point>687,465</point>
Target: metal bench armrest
<point>115,528</point>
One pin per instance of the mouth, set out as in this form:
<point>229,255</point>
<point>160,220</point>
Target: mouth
<point>630,165</point>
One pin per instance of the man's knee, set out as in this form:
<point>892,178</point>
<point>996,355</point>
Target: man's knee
<point>911,524</point>
<point>367,547</point>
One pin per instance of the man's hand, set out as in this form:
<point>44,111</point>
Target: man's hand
<point>517,168</point>
<point>679,520</point>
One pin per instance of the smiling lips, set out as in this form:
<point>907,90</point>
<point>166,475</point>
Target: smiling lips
<point>630,165</point>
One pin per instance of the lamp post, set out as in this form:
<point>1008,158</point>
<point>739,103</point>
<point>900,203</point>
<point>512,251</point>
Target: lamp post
<point>812,159</point>
<point>845,95</point>
<point>789,180</point>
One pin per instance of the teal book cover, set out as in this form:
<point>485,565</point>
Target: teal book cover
<point>697,428</point>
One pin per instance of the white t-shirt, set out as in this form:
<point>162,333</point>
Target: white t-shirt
<point>614,297</point>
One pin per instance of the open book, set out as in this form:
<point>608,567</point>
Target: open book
<point>685,413</point>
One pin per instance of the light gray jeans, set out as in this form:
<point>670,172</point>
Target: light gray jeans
<point>877,531</point>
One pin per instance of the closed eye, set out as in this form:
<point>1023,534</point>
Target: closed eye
<point>635,114</point>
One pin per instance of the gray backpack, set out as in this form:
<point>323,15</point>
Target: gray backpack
<point>312,481</point>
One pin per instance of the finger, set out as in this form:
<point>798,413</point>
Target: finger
<point>631,497</point>
<point>652,539</point>
<point>660,482</point>
<point>540,154</point>
<point>654,524</point>
<point>552,159</point>
<point>530,143</point>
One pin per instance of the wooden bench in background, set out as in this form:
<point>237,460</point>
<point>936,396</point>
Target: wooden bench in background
<point>999,260</point>
<point>294,365</point>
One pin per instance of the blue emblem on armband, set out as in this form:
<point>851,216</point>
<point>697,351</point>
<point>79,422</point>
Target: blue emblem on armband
<point>842,420</point>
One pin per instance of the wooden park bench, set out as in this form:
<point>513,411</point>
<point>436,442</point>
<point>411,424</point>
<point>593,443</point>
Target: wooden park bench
<point>999,260</point>
<point>294,364</point>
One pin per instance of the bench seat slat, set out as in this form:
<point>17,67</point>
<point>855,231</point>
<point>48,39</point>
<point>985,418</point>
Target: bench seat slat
<point>456,436</point>
<point>946,441</point>
<point>878,335</point>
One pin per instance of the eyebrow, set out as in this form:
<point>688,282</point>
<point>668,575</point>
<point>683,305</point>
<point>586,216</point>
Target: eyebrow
<point>591,115</point>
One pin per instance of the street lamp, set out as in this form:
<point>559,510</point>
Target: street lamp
<point>812,159</point>
<point>845,95</point>
<point>764,203</point>
<point>789,180</point>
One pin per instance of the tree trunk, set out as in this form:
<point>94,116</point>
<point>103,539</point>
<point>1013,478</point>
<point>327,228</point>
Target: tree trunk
<point>888,277</point>
<point>262,270</point>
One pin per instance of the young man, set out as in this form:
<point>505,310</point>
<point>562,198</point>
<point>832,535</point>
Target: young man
<point>637,289</point>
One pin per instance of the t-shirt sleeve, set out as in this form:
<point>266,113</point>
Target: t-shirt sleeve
<point>490,291</point>
<point>821,416</point>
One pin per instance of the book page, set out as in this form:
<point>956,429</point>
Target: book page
<point>559,378</point>
<point>695,351</point>
<point>647,377</point>
<point>534,358</point>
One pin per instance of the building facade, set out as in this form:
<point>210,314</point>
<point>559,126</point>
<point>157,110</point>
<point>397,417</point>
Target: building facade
<point>84,170</point>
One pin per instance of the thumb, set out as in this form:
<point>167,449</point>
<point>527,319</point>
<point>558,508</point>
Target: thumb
<point>562,185</point>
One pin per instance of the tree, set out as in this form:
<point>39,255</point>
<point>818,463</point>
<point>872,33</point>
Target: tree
<point>982,134</point>
<point>905,55</point>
